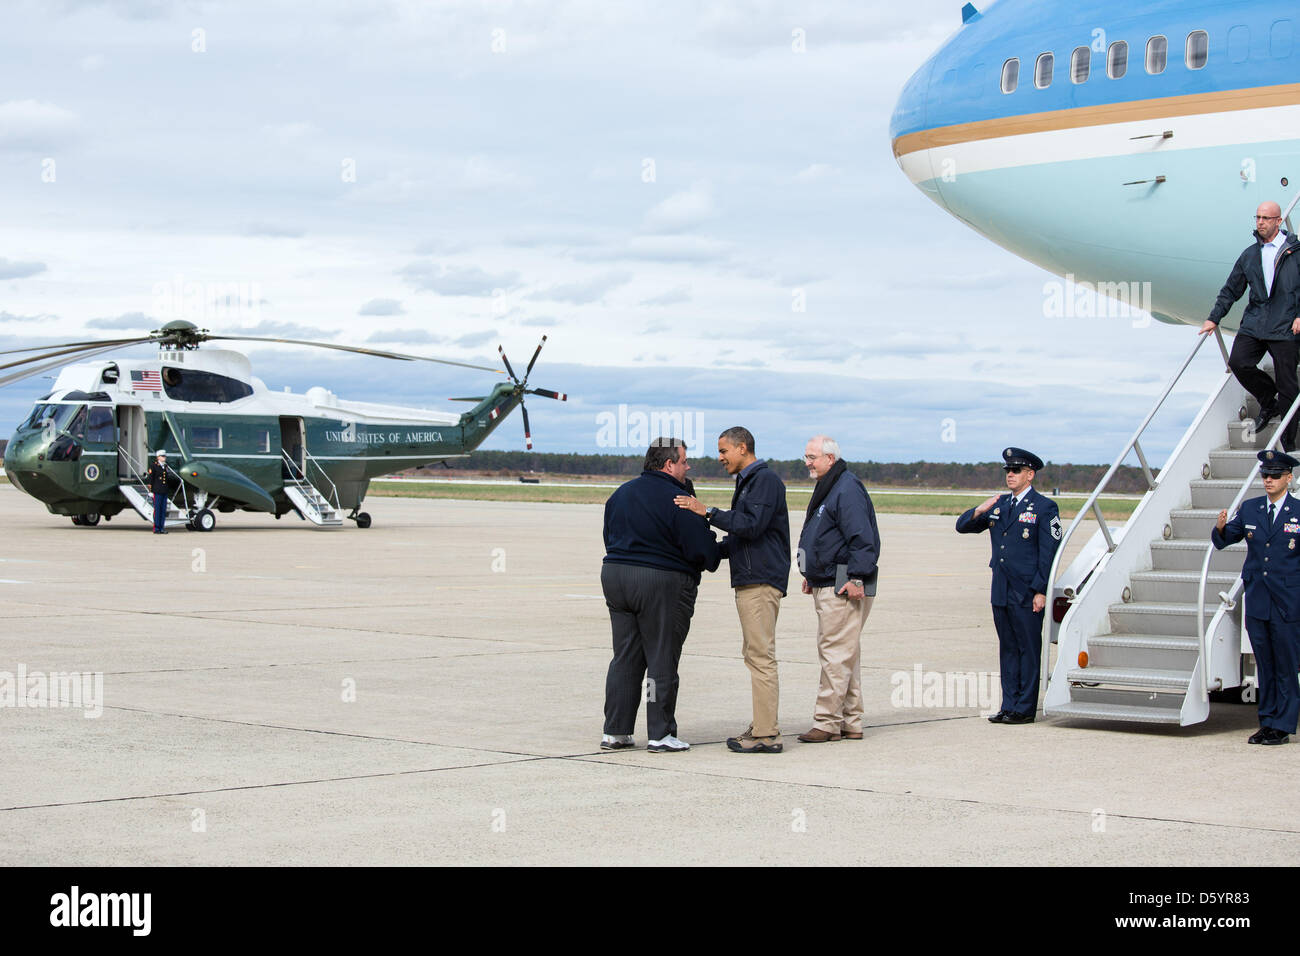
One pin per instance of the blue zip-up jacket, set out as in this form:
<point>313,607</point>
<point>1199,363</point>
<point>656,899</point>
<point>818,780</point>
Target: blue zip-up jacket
<point>1268,314</point>
<point>644,526</point>
<point>757,545</point>
<point>842,531</point>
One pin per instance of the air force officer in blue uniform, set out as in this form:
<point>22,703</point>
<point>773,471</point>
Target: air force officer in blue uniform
<point>1026,530</point>
<point>1271,527</point>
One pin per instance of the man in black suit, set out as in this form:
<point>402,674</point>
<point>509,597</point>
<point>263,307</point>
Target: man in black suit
<point>1270,269</point>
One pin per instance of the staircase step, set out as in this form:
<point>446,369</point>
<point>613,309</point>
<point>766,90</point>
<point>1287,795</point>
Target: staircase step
<point>1151,618</point>
<point>1243,435</point>
<point>1095,711</point>
<point>1177,587</point>
<point>1187,555</point>
<point>1194,522</point>
<point>1217,493</point>
<point>1133,676</point>
<point>1156,651</point>
<point>1232,463</point>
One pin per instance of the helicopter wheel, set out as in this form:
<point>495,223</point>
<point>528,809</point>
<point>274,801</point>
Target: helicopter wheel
<point>76,519</point>
<point>363,520</point>
<point>90,520</point>
<point>205,520</point>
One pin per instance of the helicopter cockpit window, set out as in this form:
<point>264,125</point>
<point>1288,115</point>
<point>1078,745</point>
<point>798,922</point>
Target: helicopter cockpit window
<point>77,427</point>
<point>100,426</point>
<point>51,416</point>
<point>191,385</point>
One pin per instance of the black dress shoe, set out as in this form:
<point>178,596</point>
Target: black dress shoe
<point>999,718</point>
<point>1275,737</point>
<point>1265,416</point>
<point>1258,736</point>
<point>1014,717</point>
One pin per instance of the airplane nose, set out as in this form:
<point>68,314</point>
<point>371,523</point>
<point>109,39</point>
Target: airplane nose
<point>906,128</point>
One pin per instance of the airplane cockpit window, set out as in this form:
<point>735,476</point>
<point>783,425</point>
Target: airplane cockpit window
<point>1080,64</point>
<point>1043,70</point>
<point>1010,75</point>
<point>100,426</point>
<point>191,385</point>
<point>1198,49</point>
<point>1117,60</point>
<point>1157,54</point>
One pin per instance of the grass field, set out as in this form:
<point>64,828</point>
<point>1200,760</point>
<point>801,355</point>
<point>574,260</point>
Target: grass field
<point>796,498</point>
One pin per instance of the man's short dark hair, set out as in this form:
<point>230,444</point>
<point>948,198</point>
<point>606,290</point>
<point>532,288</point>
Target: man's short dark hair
<point>736,435</point>
<point>661,452</point>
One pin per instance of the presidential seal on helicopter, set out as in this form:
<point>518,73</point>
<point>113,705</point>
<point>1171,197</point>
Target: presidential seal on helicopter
<point>84,449</point>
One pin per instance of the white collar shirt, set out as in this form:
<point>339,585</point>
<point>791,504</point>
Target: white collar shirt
<point>1268,257</point>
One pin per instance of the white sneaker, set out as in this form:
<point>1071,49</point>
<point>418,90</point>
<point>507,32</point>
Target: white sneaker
<point>616,742</point>
<point>669,745</point>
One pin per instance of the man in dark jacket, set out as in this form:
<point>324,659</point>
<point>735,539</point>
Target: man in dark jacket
<point>757,546</point>
<point>157,480</point>
<point>654,553</point>
<point>1270,269</point>
<point>839,541</point>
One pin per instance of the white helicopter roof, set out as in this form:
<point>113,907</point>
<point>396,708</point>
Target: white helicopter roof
<point>89,378</point>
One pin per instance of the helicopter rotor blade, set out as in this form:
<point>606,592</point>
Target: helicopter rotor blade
<point>507,361</point>
<point>476,399</point>
<point>528,433</point>
<point>30,370</point>
<point>547,393</point>
<point>380,353</point>
<point>533,361</point>
<point>116,343</point>
<point>74,352</point>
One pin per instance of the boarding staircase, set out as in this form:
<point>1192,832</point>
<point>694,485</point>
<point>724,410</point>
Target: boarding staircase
<point>132,485</point>
<point>1150,621</point>
<point>321,510</point>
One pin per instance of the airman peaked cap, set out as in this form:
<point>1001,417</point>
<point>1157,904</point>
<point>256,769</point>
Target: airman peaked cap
<point>1274,463</point>
<point>1025,459</point>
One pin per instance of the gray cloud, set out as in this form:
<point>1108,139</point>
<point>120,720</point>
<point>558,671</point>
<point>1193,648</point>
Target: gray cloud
<point>28,124</point>
<point>382,307</point>
<point>671,297</point>
<point>586,290</point>
<point>127,320</point>
<point>457,280</point>
<point>12,269</point>
<point>288,330</point>
<point>475,339</point>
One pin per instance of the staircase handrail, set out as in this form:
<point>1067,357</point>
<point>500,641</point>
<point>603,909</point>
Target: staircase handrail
<point>139,476</point>
<point>1093,505</point>
<point>334,491</point>
<point>1201,630</point>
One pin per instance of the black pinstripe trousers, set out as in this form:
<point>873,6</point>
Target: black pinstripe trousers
<point>650,613</point>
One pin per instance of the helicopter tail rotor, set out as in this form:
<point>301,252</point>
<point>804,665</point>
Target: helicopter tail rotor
<point>521,387</point>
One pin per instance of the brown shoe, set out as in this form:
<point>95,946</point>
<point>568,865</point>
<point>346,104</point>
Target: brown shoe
<point>851,736</point>
<point>818,736</point>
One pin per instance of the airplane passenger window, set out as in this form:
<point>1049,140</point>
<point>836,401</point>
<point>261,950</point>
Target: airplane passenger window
<point>1117,60</point>
<point>1080,64</point>
<point>1010,75</point>
<point>1157,55</point>
<point>1239,43</point>
<point>1198,49</point>
<point>1279,40</point>
<point>1043,71</point>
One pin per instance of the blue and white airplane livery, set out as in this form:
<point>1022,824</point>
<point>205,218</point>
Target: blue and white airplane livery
<point>1113,141</point>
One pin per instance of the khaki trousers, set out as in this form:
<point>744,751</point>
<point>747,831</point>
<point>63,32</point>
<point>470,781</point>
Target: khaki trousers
<point>757,605</point>
<point>839,648</point>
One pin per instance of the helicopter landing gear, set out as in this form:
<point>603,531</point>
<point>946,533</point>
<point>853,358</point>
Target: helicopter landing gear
<point>203,520</point>
<point>87,520</point>
<point>362,519</point>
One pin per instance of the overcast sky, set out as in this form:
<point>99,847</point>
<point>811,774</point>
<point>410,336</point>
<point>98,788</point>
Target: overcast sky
<point>696,201</point>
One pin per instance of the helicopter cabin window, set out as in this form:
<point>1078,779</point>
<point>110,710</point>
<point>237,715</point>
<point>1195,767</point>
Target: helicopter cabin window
<point>100,427</point>
<point>1157,55</point>
<point>1010,75</point>
<point>1198,49</point>
<point>1043,70</point>
<point>264,440</point>
<point>1117,60</point>
<point>202,436</point>
<point>1080,64</point>
<point>191,385</point>
<point>77,427</point>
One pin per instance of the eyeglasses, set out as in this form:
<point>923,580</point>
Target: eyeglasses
<point>1012,469</point>
<point>809,459</point>
<point>1266,218</point>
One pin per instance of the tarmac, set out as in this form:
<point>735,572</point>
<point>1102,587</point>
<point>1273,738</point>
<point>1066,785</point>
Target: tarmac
<point>430,691</point>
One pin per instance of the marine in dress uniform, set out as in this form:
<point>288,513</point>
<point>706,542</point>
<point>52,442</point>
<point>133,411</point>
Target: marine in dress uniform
<point>157,480</point>
<point>1272,594</point>
<point>1025,528</point>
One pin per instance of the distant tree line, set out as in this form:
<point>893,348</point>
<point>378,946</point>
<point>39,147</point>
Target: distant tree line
<point>916,474</point>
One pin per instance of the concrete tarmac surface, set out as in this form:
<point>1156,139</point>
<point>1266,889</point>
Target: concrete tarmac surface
<point>430,691</point>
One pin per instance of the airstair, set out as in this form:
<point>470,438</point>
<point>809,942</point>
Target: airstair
<point>136,491</point>
<point>321,510</point>
<point>1150,616</point>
